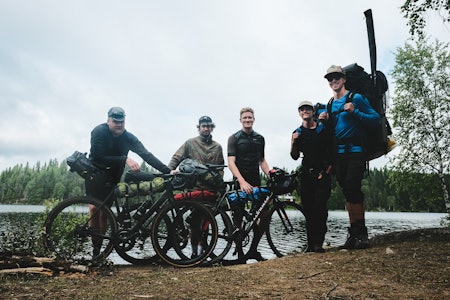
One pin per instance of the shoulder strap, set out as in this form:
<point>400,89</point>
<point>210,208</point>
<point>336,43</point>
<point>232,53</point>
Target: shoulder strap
<point>329,106</point>
<point>349,97</point>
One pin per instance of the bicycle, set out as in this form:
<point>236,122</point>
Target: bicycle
<point>285,228</point>
<point>68,233</point>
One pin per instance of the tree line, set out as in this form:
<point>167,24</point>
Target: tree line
<point>384,189</point>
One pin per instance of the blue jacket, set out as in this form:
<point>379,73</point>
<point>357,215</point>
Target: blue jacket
<point>349,127</point>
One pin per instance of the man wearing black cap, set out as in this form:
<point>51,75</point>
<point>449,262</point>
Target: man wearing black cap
<point>110,144</point>
<point>203,149</point>
<point>350,115</point>
<point>314,140</point>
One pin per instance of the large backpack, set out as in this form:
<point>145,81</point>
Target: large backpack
<point>378,140</point>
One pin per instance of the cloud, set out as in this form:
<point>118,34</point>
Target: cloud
<point>65,63</point>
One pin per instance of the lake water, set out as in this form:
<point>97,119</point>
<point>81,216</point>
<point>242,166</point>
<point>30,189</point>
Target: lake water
<point>12,216</point>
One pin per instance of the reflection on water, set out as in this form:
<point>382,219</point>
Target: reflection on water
<point>13,216</point>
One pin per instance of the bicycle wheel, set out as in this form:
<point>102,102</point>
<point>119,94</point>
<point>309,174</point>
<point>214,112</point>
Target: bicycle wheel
<point>135,246</point>
<point>286,232</point>
<point>69,235</point>
<point>224,240</point>
<point>184,233</point>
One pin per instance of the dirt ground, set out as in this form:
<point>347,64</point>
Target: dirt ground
<point>407,265</point>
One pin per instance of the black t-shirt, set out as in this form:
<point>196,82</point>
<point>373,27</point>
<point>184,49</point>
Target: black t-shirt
<point>316,146</point>
<point>249,152</point>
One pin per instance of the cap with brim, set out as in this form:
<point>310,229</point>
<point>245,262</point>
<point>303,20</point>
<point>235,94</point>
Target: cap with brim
<point>117,114</point>
<point>306,103</point>
<point>205,120</point>
<point>334,69</point>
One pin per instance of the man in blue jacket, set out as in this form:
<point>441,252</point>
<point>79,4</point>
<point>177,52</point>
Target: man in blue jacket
<point>350,115</point>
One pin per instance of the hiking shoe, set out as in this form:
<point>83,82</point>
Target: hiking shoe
<point>315,248</point>
<point>362,242</point>
<point>255,255</point>
<point>357,238</point>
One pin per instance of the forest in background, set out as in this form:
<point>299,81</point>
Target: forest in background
<point>385,190</point>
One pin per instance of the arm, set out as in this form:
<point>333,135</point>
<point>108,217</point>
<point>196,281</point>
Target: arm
<point>361,109</point>
<point>264,167</point>
<point>177,157</point>
<point>295,145</point>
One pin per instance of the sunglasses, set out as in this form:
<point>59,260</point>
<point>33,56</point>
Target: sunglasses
<point>305,107</point>
<point>335,76</point>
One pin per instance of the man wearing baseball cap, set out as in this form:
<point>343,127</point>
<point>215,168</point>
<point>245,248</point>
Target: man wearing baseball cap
<point>203,149</point>
<point>110,144</point>
<point>314,140</point>
<point>351,114</point>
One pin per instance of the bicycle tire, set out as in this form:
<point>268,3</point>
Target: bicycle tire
<point>68,235</point>
<point>224,240</point>
<point>286,231</point>
<point>138,248</point>
<point>171,233</point>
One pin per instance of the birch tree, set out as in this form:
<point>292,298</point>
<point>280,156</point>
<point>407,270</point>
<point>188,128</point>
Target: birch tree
<point>421,110</point>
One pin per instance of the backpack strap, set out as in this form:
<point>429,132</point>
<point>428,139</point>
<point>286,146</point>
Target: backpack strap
<point>349,97</point>
<point>347,100</point>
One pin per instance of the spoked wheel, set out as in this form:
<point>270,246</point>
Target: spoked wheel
<point>184,233</point>
<point>286,232</point>
<point>224,241</point>
<point>71,234</point>
<point>135,246</point>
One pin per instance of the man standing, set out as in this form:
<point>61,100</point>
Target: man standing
<point>110,144</point>
<point>203,149</point>
<point>350,115</point>
<point>245,157</point>
<point>313,139</point>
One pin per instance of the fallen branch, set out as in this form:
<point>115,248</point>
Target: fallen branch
<point>312,275</point>
<point>327,296</point>
<point>30,270</point>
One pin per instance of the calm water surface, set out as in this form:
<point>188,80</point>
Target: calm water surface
<point>377,222</point>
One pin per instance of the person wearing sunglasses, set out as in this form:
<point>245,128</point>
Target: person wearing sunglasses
<point>313,140</point>
<point>349,118</point>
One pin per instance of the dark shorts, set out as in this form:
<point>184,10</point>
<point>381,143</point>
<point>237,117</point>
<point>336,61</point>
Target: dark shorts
<point>350,169</point>
<point>99,186</point>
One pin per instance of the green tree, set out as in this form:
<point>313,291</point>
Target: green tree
<point>415,11</point>
<point>421,110</point>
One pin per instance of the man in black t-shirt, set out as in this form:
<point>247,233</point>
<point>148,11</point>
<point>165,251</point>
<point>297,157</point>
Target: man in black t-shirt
<point>245,157</point>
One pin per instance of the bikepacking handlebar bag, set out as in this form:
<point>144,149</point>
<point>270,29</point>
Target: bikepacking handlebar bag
<point>241,196</point>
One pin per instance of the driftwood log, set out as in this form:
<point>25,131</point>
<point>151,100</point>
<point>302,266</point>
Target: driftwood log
<point>38,265</point>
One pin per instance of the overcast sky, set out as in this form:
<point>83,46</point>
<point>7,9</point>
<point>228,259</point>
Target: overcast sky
<point>65,63</point>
